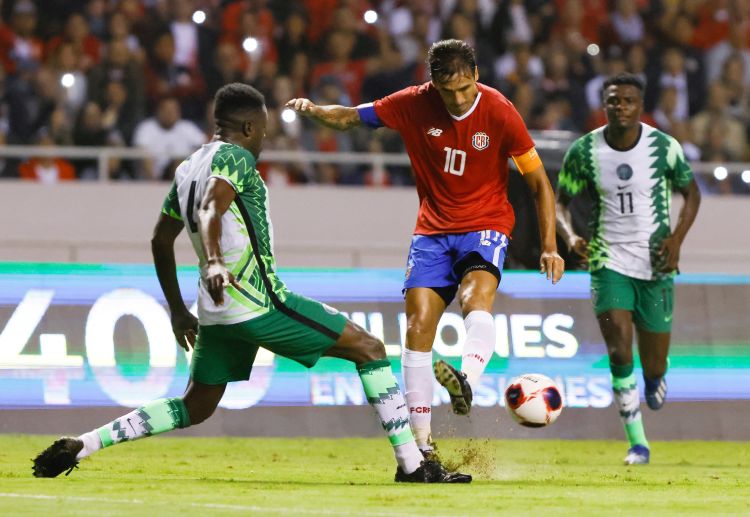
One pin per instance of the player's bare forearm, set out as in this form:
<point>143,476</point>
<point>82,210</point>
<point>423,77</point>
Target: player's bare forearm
<point>162,248</point>
<point>209,228</point>
<point>550,262</point>
<point>334,116</point>
<point>688,212</point>
<point>219,195</point>
<point>545,207</point>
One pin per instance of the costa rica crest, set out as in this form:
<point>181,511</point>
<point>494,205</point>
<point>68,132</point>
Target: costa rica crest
<point>480,141</point>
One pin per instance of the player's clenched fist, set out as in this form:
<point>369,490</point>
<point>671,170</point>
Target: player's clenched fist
<point>553,265</point>
<point>302,106</point>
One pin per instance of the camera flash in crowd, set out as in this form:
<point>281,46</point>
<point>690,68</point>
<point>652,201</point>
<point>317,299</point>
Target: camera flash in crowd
<point>370,16</point>
<point>250,44</point>
<point>721,173</point>
<point>199,17</point>
<point>288,116</point>
<point>593,49</point>
<point>746,176</point>
<point>67,80</point>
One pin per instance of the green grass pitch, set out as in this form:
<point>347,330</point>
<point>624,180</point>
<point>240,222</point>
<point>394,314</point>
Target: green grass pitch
<point>259,476</point>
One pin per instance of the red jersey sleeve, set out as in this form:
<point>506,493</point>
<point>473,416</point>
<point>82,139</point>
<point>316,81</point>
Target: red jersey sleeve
<point>517,137</point>
<point>393,110</point>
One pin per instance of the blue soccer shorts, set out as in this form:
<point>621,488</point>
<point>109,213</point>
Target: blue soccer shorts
<point>440,261</point>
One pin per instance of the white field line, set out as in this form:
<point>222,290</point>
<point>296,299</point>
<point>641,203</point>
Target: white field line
<point>215,506</point>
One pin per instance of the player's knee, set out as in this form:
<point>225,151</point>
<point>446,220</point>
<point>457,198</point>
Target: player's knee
<point>371,349</point>
<point>419,335</point>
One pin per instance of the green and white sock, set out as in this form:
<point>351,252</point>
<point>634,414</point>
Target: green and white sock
<point>156,417</point>
<point>385,396</point>
<point>628,402</point>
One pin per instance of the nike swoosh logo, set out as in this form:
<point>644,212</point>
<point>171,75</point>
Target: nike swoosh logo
<point>667,319</point>
<point>620,187</point>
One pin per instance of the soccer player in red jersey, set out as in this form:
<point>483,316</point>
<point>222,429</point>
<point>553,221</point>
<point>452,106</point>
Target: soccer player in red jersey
<point>459,135</point>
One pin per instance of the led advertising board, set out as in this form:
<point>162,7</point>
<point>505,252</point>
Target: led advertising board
<point>100,335</point>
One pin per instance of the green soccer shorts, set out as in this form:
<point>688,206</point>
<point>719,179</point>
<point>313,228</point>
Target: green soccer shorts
<point>300,329</point>
<point>650,301</point>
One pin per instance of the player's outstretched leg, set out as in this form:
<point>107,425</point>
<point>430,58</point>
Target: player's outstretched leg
<point>479,345</point>
<point>457,385</point>
<point>627,399</point>
<point>384,394</point>
<point>156,417</point>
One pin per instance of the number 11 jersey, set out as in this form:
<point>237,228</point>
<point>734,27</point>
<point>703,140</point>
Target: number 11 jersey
<point>631,193</point>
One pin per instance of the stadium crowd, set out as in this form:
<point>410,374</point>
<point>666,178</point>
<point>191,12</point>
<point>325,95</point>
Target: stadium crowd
<point>143,72</point>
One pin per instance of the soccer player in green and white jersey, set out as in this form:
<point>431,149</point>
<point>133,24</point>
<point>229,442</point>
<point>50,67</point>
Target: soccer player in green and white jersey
<point>220,198</point>
<point>630,168</point>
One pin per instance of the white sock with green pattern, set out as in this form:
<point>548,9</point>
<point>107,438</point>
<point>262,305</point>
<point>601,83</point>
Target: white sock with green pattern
<point>156,417</point>
<point>383,393</point>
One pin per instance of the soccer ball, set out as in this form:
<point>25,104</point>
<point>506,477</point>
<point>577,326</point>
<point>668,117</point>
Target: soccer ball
<point>533,400</point>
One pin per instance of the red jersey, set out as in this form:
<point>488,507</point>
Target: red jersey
<point>460,163</point>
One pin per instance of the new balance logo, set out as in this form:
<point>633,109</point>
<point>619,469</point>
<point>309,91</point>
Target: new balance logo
<point>433,131</point>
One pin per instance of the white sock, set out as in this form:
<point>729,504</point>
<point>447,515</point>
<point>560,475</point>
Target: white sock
<point>91,444</point>
<point>408,457</point>
<point>479,346</point>
<point>418,390</point>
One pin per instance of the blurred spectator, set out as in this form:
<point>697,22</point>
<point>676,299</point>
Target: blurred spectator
<point>519,66</point>
<point>339,64</point>
<point>736,44</point>
<point>91,132</point>
<point>666,115</point>
<point>46,169</point>
<point>681,131</point>
<point>165,78</point>
<point>627,23</point>
<point>20,49</point>
<point>738,91</point>
<point>65,63</point>
<point>228,67</point>
<point>119,67</point>
<point>96,17</point>
<point>720,136</point>
<point>86,46</point>
<point>674,75</point>
<point>292,40</point>
<point>119,29</point>
<point>32,96</point>
<point>164,136</point>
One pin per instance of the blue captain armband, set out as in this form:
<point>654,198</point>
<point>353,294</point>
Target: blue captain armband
<point>368,116</point>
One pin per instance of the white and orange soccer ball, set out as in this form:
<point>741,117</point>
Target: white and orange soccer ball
<point>533,400</point>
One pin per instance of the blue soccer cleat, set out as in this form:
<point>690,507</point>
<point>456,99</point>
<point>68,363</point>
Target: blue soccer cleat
<point>655,392</point>
<point>638,455</point>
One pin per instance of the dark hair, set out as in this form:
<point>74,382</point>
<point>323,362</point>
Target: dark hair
<point>624,79</point>
<point>450,57</point>
<point>233,98</point>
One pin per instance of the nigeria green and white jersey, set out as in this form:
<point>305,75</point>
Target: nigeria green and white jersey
<point>246,231</point>
<point>631,191</point>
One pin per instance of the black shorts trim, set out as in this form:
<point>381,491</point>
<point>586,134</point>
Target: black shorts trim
<point>277,303</point>
<point>473,261</point>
